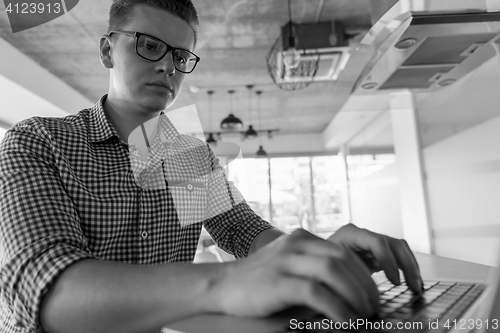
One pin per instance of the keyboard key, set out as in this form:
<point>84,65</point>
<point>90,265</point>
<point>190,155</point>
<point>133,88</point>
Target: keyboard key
<point>387,297</point>
<point>401,300</point>
<point>462,287</point>
<point>434,292</point>
<point>429,284</point>
<point>385,287</point>
<point>400,289</point>
<point>449,298</point>
<point>428,299</point>
<point>439,304</point>
<point>392,293</point>
<point>455,293</point>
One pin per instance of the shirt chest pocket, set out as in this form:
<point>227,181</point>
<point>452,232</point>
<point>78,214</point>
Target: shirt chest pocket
<point>190,201</point>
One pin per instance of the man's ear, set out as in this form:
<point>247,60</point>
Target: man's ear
<point>105,52</point>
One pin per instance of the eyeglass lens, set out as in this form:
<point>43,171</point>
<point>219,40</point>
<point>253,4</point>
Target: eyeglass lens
<point>154,49</point>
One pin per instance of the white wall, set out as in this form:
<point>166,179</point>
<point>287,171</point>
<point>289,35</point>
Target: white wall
<point>375,202</point>
<point>463,183</point>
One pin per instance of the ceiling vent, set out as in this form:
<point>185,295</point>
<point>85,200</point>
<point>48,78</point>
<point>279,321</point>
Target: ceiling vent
<point>323,48</point>
<point>424,51</point>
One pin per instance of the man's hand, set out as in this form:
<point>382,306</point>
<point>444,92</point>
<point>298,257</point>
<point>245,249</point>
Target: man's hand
<point>381,252</point>
<point>299,269</point>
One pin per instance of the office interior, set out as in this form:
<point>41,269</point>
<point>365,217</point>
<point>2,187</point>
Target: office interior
<point>420,163</point>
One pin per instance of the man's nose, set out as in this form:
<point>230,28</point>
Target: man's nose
<point>166,64</point>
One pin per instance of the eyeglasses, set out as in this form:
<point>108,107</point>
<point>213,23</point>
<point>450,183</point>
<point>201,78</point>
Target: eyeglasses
<point>154,49</point>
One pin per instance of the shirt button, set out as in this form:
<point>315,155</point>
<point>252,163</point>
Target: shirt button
<point>190,187</point>
<point>144,234</point>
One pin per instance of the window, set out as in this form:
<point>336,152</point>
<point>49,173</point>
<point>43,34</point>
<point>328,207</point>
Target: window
<point>251,177</point>
<point>294,192</point>
<point>328,179</point>
<point>291,193</point>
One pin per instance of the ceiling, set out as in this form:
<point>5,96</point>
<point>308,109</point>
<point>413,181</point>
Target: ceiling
<point>234,38</point>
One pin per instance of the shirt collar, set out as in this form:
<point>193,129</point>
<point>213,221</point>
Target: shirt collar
<point>100,129</point>
<point>168,132</point>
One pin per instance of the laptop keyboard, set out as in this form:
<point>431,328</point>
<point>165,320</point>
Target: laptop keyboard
<point>402,311</point>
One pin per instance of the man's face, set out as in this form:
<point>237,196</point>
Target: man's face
<point>134,79</point>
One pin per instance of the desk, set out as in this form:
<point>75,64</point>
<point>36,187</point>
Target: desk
<point>432,268</point>
<point>435,267</point>
<point>440,268</point>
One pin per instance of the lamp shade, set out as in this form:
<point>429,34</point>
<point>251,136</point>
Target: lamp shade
<point>261,152</point>
<point>231,123</point>
<point>250,133</point>
<point>211,140</point>
<point>291,58</point>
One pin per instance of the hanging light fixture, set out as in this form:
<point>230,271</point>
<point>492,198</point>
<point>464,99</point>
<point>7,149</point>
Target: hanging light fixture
<point>291,57</point>
<point>231,122</point>
<point>290,64</point>
<point>250,133</point>
<point>261,152</point>
<point>211,140</point>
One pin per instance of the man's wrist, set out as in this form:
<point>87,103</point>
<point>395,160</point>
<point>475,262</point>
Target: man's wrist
<point>213,295</point>
<point>265,237</point>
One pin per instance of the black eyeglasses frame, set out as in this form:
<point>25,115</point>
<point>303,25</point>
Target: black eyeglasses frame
<point>137,34</point>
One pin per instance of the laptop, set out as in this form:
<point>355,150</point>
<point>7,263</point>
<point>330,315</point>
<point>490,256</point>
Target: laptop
<point>452,306</point>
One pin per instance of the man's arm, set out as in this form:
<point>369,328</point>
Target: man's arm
<point>264,238</point>
<point>105,296</point>
<point>299,269</point>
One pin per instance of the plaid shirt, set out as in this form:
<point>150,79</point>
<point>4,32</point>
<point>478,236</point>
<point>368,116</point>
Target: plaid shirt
<point>72,190</point>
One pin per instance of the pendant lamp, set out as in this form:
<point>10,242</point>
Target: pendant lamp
<point>250,133</point>
<point>231,122</point>
<point>211,140</point>
<point>261,152</point>
<point>291,57</point>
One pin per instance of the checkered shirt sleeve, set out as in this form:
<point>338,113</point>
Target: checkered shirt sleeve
<point>231,222</point>
<point>40,234</point>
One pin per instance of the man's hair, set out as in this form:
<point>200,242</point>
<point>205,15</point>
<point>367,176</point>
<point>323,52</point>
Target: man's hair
<point>120,12</point>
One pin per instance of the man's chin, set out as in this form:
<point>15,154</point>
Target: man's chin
<point>157,104</point>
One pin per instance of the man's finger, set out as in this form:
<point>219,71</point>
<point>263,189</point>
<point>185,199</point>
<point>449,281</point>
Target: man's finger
<point>392,254</point>
<point>326,248</point>
<point>341,277</point>
<point>408,264</point>
<point>379,246</point>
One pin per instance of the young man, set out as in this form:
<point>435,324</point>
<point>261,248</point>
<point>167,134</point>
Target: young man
<point>85,248</point>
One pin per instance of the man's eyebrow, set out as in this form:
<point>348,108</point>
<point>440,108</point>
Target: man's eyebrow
<point>165,41</point>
